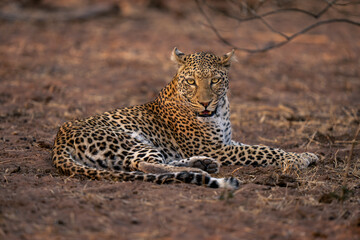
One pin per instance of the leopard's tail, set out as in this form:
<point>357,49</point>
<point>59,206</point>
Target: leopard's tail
<point>68,166</point>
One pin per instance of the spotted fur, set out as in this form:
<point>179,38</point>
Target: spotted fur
<point>181,136</point>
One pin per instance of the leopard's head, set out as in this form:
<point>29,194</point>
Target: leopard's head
<point>202,80</point>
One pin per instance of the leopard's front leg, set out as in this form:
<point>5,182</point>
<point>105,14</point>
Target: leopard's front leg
<point>145,158</point>
<point>262,156</point>
<point>204,163</point>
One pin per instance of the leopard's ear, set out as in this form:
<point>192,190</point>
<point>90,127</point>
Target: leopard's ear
<point>178,57</point>
<point>228,58</point>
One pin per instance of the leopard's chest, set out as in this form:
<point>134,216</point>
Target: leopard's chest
<point>219,125</point>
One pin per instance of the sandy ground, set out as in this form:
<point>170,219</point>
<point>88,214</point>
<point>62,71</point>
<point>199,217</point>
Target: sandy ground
<point>304,96</point>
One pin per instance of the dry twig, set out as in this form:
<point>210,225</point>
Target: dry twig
<point>348,161</point>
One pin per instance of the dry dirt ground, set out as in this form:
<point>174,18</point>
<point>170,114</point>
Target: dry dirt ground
<point>304,96</point>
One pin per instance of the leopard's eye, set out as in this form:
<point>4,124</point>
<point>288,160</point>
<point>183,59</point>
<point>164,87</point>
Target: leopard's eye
<point>190,81</point>
<point>215,80</point>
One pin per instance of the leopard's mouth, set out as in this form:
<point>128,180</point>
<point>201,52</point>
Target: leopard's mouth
<point>206,113</point>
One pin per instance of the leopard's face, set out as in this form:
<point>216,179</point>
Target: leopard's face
<point>203,81</point>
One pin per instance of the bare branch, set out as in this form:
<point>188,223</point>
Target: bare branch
<point>282,10</point>
<point>269,26</point>
<point>330,3</point>
<point>338,7</point>
<point>308,28</point>
<point>347,3</point>
<point>213,28</point>
<point>288,38</point>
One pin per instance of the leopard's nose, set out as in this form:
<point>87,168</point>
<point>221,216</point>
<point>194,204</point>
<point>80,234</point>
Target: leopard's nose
<point>205,104</point>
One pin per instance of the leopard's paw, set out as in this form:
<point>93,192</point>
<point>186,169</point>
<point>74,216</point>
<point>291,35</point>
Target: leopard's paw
<point>205,163</point>
<point>298,160</point>
<point>308,158</point>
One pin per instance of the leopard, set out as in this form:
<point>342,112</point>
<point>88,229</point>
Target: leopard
<point>184,135</point>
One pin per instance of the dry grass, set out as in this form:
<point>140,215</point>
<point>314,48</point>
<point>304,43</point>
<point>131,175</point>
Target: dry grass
<point>333,135</point>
